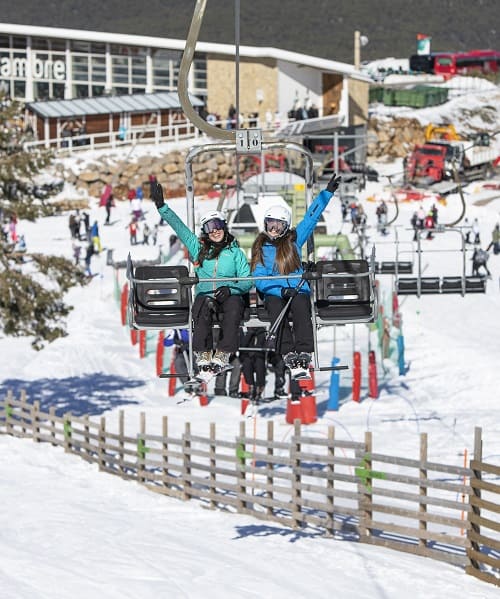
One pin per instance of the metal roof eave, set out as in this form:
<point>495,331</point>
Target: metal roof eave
<point>134,103</point>
<point>345,69</point>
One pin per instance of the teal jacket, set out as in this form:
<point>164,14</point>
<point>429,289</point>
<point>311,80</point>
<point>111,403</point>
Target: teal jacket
<point>231,262</point>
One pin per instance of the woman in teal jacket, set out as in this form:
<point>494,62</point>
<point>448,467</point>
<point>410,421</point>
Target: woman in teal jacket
<point>214,254</point>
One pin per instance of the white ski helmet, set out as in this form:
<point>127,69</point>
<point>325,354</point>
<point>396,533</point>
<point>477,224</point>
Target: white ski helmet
<point>214,215</point>
<point>278,213</point>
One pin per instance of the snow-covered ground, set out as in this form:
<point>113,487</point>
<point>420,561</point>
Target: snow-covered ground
<point>68,530</point>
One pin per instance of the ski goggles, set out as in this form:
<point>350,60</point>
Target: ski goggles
<point>275,225</point>
<point>215,224</point>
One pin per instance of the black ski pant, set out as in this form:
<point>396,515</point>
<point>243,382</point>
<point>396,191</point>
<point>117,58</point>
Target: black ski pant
<point>253,366</point>
<point>234,378</point>
<point>299,312</point>
<point>228,314</point>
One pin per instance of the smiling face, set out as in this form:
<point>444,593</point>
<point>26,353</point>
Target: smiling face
<point>275,227</point>
<point>214,228</point>
<point>217,235</point>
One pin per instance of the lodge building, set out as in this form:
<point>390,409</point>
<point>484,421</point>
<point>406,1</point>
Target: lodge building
<point>45,65</point>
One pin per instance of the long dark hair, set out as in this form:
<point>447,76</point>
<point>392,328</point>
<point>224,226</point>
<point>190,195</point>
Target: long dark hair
<point>287,257</point>
<point>210,250</point>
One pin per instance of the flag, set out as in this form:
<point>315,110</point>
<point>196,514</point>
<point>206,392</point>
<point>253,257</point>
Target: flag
<point>423,44</point>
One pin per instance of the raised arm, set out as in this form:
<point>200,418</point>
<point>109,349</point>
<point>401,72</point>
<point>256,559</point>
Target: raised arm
<point>183,232</point>
<point>311,217</point>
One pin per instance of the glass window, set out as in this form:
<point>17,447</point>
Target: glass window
<point>166,55</point>
<point>58,90</point>
<point>41,90</point>
<point>18,63</point>
<point>138,71</point>
<point>120,91</point>
<point>119,50</point>
<point>161,80</point>
<point>175,73</point>
<point>4,41</point>
<point>78,46</point>
<point>98,68</point>
<point>59,45</point>
<point>80,91</point>
<point>98,90</point>
<point>19,89</point>
<point>38,43</point>
<point>19,42</point>
<point>120,68</point>
<point>80,68</point>
<point>98,48</point>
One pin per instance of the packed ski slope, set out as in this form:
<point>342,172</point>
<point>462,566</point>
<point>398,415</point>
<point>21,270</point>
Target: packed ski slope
<point>97,536</point>
<point>68,530</point>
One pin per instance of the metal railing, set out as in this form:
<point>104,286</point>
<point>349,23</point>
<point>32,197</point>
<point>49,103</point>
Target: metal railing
<point>174,132</point>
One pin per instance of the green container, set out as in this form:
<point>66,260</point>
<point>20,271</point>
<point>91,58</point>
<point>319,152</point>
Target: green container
<point>419,96</point>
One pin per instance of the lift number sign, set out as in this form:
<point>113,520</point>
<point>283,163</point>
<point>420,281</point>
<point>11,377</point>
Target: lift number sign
<point>249,141</point>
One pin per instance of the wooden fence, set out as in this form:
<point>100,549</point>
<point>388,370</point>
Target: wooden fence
<point>330,486</point>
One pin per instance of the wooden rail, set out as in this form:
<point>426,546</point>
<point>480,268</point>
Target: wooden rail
<point>336,487</point>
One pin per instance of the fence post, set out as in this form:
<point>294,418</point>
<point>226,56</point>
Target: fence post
<point>22,399</point>
<point>86,436</point>
<point>475,500</point>
<point>164,453</point>
<point>35,410</point>
<point>365,488</point>
<point>270,465</point>
<point>295,460</point>
<point>8,413</point>
<point>241,474</point>
<point>52,418</point>
<point>67,432</point>
<point>422,506</point>
<point>121,434</point>
<point>213,466</point>
<point>141,449</point>
<point>101,447</point>
<point>330,483</point>
<point>186,452</point>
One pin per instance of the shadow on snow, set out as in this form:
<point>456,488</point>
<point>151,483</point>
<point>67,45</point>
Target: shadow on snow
<point>91,394</point>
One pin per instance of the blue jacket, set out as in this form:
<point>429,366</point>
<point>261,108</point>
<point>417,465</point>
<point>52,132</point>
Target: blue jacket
<point>231,262</point>
<point>303,230</point>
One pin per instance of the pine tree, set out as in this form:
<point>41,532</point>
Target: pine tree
<point>32,286</point>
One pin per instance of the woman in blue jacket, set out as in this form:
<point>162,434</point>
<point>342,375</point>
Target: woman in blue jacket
<point>214,254</point>
<point>277,252</point>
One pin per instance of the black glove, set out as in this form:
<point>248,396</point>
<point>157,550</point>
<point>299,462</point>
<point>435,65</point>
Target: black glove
<point>334,183</point>
<point>157,194</point>
<point>221,294</point>
<point>287,292</point>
